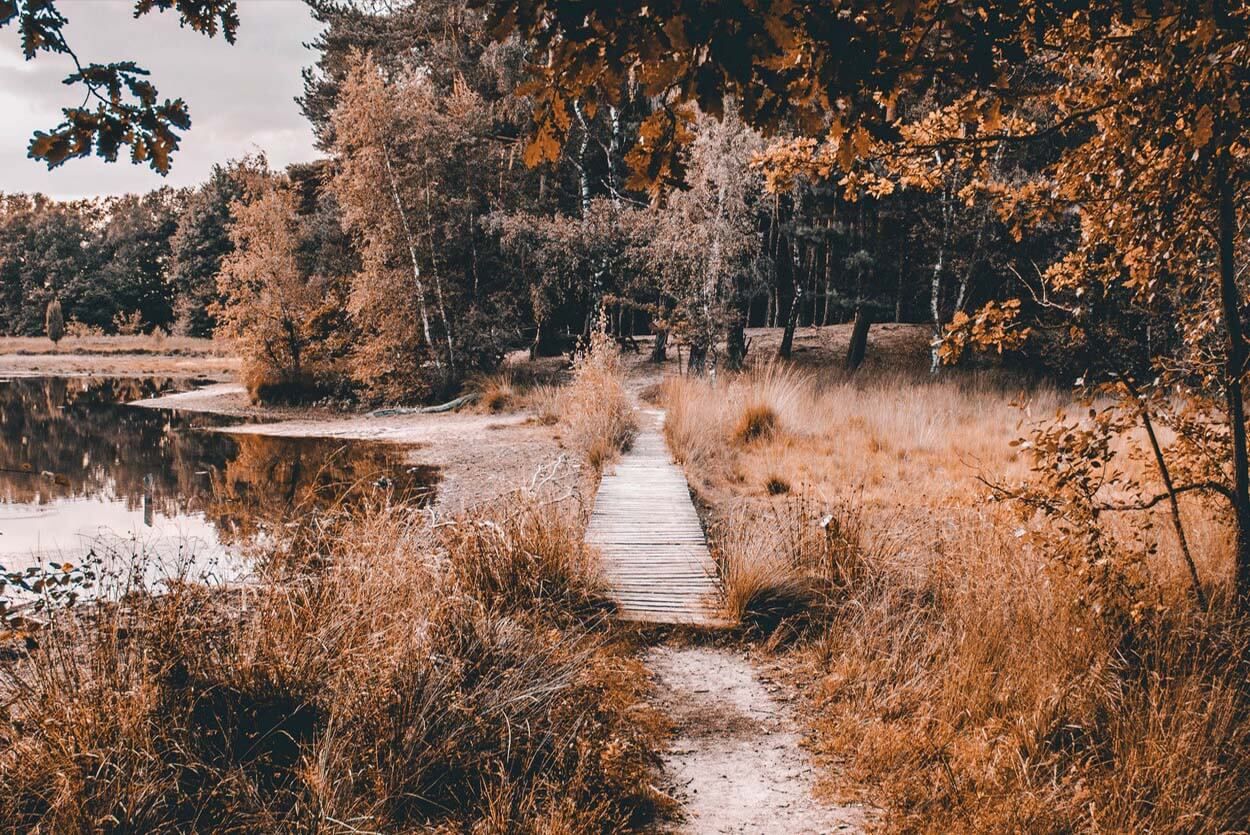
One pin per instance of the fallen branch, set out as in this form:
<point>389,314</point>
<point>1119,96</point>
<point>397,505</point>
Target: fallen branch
<point>449,406</point>
<point>1166,476</point>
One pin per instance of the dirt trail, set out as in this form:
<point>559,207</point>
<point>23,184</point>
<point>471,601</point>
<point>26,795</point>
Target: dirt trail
<point>735,762</point>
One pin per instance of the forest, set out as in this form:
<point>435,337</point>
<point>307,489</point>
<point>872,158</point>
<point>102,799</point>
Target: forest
<point>918,326</point>
<point>429,195</point>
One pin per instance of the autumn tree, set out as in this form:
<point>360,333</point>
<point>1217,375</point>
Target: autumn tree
<point>576,264</point>
<point>388,186</point>
<point>419,165</point>
<point>270,305</point>
<point>1159,173</point>
<point>706,247</point>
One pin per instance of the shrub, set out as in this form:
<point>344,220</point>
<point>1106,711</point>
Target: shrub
<point>54,321</point>
<point>128,324</point>
<point>82,330</point>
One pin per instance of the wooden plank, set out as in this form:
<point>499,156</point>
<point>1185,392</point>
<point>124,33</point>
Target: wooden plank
<point>651,543</point>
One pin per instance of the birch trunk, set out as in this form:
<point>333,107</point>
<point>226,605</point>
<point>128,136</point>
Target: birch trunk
<point>412,250</point>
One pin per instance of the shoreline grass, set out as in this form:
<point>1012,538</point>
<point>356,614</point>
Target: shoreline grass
<point>394,672</point>
<point>461,676</point>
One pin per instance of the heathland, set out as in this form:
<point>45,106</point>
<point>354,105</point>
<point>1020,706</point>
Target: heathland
<point>946,654</point>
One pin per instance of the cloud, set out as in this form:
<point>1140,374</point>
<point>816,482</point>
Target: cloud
<point>241,97</point>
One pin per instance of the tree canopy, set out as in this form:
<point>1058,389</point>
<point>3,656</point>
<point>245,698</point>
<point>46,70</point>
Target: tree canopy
<point>120,106</point>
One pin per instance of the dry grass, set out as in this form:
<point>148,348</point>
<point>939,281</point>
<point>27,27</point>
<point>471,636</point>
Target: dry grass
<point>595,408</point>
<point>442,679</point>
<point>157,343</point>
<point>786,565</point>
<point>972,694</point>
<point>518,385</point>
<point>498,392</point>
<point>948,664</point>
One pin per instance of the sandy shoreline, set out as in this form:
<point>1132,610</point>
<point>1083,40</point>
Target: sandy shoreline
<point>481,457</point>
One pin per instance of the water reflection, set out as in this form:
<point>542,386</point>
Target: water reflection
<point>77,464</point>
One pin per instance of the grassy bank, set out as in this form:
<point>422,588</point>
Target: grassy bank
<point>143,344</point>
<point>461,677</point>
<point>392,673</point>
<point>959,665</point>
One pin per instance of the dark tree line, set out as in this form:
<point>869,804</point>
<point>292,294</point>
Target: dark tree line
<point>133,263</point>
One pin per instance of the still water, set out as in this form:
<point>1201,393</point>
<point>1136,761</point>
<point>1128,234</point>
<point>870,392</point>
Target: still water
<point>80,470</point>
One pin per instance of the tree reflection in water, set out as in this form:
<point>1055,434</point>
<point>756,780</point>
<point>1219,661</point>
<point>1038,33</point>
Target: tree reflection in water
<point>76,461</point>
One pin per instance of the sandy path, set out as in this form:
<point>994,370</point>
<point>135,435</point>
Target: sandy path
<point>735,763</point>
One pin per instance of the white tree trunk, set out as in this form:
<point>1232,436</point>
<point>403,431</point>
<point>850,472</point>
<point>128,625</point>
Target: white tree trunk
<point>412,249</point>
<point>935,283</point>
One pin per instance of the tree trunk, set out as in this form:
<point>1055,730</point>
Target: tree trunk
<point>735,346</point>
<point>785,264</point>
<point>735,337</point>
<point>935,282</point>
<point>898,298</point>
<point>438,287</point>
<point>792,322</point>
<point>583,177</point>
<point>859,339</point>
<point>1230,300</point>
<point>412,252</point>
<point>659,350</point>
<point>697,363</point>
<point>540,339</point>
<point>824,312</point>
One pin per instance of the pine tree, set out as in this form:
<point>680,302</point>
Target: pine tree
<point>54,321</point>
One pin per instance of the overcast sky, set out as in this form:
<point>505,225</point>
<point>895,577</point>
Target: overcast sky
<point>241,97</point>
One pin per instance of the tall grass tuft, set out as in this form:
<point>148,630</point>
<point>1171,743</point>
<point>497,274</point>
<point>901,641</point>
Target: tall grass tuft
<point>497,392</point>
<point>789,564</point>
<point>765,398</point>
<point>755,421</point>
<point>761,404</point>
<point>595,407</point>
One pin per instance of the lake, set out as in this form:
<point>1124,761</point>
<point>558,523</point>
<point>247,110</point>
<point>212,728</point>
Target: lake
<point>82,472</point>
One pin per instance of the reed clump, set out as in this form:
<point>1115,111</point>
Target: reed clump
<point>595,409</point>
<point>451,678</point>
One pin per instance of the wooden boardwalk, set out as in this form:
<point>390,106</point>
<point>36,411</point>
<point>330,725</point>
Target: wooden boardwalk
<point>654,554</point>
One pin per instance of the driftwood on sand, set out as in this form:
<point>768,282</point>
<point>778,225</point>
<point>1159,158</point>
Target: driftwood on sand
<point>449,406</point>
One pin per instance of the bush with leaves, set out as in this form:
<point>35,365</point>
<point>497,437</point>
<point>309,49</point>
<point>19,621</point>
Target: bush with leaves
<point>54,321</point>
